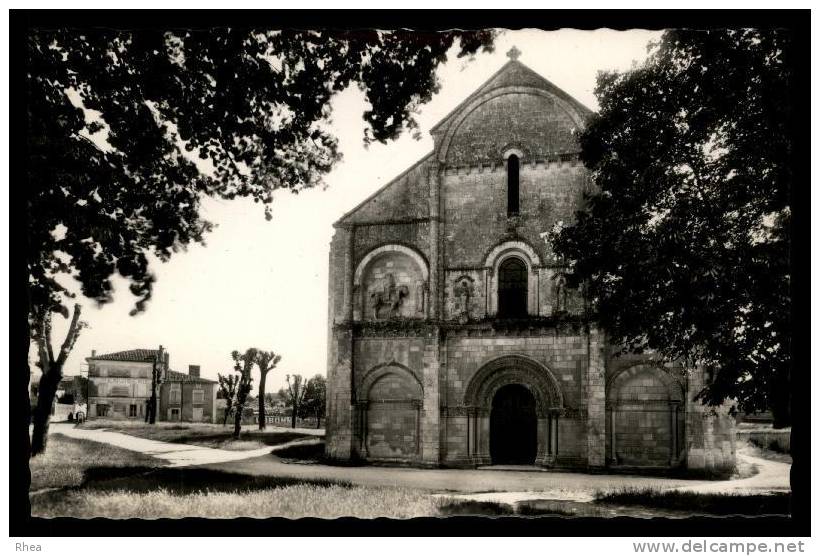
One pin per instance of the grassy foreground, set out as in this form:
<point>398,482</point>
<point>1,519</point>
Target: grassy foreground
<point>209,435</point>
<point>301,500</point>
<point>66,462</point>
<point>80,478</point>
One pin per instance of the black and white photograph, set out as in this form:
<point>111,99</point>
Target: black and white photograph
<point>459,271</point>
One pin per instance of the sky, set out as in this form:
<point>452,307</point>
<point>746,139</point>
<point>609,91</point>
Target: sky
<point>259,283</point>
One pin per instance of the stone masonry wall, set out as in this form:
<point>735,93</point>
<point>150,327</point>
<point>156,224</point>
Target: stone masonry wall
<point>565,355</point>
<point>710,432</point>
<point>548,193</point>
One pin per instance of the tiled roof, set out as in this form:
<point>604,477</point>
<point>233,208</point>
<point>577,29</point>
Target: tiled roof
<point>128,355</point>
<point>176,376</point>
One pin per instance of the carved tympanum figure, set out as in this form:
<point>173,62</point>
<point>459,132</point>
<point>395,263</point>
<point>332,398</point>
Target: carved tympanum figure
<point>560,304</point>
<point>464,291</point>
<point>391,296</point>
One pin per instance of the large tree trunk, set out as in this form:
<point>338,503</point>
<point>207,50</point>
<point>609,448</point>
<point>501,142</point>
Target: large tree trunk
<point>237,422</point>
<point>49,382</point>
<point>52,368</point>
<point>262,377</point>
<point>293,417</point>
<point>152,411</point>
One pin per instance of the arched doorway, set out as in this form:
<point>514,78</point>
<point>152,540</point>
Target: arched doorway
<point>513,426</point>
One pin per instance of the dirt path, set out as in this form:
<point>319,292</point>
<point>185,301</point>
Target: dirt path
<point>770,476</point>
<point>504,485</point>
<point>509,483</point>
<point>512,486</point>
<point>177,455</point>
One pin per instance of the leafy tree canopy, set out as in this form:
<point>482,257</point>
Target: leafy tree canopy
<point>685,248</point>
<point>127,130</point>
<point>315,397</point>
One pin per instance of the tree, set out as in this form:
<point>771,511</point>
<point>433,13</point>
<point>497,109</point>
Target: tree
<point>131,129</point>
<point>159,363</point>
<point>126,131</point>
<point>75,391</point>
<point>242,364</point>
<point>685,248</point>
<point>266,361</point>
<point>52,373</point>
<point>293,396</point>
<point>315,399</point>
<point>227,391</point>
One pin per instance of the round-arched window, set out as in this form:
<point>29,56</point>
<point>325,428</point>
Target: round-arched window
<point>512,185</point>
<point>512,288</point>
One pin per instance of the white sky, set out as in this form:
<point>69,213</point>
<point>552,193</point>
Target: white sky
<point>264,284</point>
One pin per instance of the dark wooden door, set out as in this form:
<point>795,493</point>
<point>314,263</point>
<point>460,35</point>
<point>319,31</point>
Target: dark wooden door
<point>513,426</point>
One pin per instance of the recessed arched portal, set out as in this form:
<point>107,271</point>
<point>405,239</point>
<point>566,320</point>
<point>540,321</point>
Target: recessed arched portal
<point>496,388</point>
<point>513,426</point>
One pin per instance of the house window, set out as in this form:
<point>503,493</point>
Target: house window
<point>512,185</point>
<point>132,410</point>
<point>102,410</point>
<point>198,396</point>
<point>176,394</point>
<point>512,288</point>
<point>120,391</point>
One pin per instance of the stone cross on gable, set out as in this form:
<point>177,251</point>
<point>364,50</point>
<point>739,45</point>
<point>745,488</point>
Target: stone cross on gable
<point>513,53</point>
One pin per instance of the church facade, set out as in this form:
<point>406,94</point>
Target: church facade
<point>454,337</point>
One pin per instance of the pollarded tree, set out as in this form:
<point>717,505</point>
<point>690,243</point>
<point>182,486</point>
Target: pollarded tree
<point>227,391</point>
<point>315,400</point>
<point>266,361</point>
<point>685,248</point>
<point>242,364</point>
<point>293,396</point>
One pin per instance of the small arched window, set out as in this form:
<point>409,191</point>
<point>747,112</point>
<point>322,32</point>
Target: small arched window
<point>512,288</point>
<point>512,185</point>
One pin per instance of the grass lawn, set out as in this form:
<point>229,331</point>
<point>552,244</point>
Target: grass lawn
<point>80,478</point>
<point>209,435</point>
<point>67,461</point>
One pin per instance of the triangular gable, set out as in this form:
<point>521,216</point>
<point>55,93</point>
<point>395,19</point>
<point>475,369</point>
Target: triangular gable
<point>512,74</point>
<point>402,198</point>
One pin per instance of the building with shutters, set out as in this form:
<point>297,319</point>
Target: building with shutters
<point>455,338</point>
<point>188,397</point>
<point>120,387</point>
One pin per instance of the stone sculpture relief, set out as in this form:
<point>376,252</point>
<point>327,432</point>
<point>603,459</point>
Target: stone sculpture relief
<point>560,301</point>
<point>463,292</point>
<point>389,295</point>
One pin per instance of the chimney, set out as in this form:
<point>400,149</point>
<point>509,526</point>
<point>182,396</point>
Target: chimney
<point>93,352</point>
<point>193,370</point>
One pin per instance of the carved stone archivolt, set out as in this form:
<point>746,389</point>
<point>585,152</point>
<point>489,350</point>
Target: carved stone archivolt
<point>515,369</point>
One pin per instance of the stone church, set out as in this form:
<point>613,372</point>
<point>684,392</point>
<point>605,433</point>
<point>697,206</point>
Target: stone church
<point>454,337</point>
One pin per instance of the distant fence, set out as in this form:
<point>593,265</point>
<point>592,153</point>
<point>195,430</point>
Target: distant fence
<point>276,420</point>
